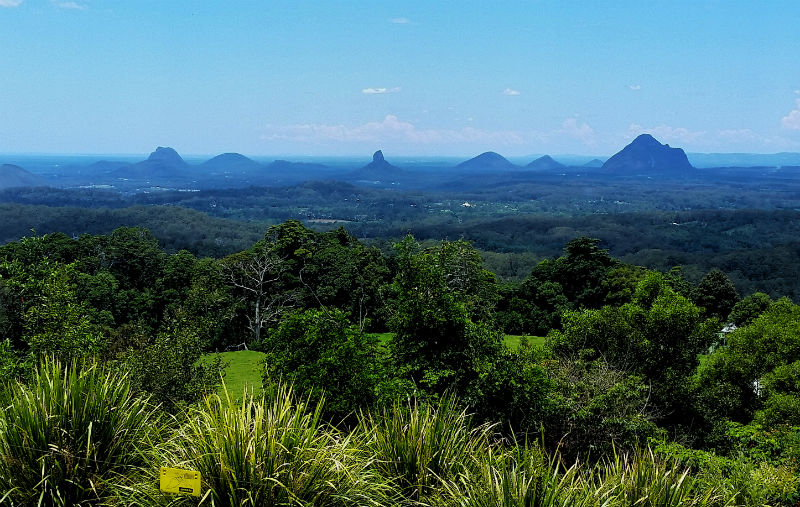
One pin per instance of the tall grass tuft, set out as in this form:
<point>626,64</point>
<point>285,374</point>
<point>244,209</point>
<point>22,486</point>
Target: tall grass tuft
<point>645,480</point>
<point>70,436</point>
<point>419,448</point>
<point>525,476</point>
<point>270,451</point>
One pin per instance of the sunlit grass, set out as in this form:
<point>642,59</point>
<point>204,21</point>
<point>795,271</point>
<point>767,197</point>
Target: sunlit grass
<point>418,448</point>
<point>271,450</point>
<point>513,341</point>
<point>243,371</point>
<point>77,436</point>
<point>71,436</point>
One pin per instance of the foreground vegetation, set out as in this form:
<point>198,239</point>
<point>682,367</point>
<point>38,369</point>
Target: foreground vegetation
<point>76,436</point>
<point>642,379</point>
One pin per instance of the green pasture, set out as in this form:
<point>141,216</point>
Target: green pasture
<point>512,341</point>
<point>243,370</point>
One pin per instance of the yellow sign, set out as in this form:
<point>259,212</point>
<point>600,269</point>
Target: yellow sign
<point>182,482</point>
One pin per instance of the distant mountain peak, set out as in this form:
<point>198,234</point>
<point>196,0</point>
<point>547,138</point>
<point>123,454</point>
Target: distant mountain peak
<point>231,162</point>
<point>15,176</point>
<point>545,162</point>
<point>487,161</point>
<point>647,140</point>
<point>645,154</point>
<point>379,163</point>
<point>167,155</point>
<point>595,162</point>
<point>162,163</point>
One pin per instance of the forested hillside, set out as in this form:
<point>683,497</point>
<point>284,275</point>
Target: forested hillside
<point>634,359</point>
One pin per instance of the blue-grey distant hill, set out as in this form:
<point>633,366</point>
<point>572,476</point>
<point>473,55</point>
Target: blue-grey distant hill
<point>646,156</point>
<point>486,162</point>
<point>380,172</point>
<point>164,163</point>
<point>230,162</point>
<point>744,159</point>
<point>545,163</point>
<point>15,176</point>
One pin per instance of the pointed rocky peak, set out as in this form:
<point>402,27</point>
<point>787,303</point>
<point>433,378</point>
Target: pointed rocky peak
<point>166,156</point>
<point>545,162</point>
<point>162,163</point>
<point>646,155</point>
<point>646,140</point>
<point>487,161</point>
<point>379,163</point>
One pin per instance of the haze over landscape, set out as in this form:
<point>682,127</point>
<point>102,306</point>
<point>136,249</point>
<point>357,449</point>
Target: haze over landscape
<point>417,78</point>
<point>400,253</point>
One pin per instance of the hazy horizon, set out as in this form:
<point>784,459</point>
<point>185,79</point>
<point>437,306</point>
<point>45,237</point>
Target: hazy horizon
<point>413,79</point>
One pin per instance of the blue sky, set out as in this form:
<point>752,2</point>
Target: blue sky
<point>411,78</point>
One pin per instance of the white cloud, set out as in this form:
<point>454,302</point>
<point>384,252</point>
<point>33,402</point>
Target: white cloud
<point>635,87</point>
<point>71,5</point>
<point>792,120</point>
<point>667,134</point>
<point>380,91</point>
<point>400,21</point>
<point>581,131</point>
<point>390,129</point>
<point>509,91</point>
<point>10,3</point>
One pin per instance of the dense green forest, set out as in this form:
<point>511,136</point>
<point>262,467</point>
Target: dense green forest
<point>758,249</point>
<point>647,378</point>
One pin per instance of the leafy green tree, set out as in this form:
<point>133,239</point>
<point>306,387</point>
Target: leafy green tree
<point>516,389</point>
<point>620,283</point>
<point>338,271</point>
<point>320,350</point>
<point>541,304</point>
<point>596,409</point>
<point>209,306</point>
<point>13,364</point>
<point>99,292</point>
<point>657,336</point>
<point>780,390</point>
<point>52,318</point>
<point>574,280</point>
<point>580,272</point>
<point>754,370</point>
<point>748,309</point>
<point>134,258</point>
<point>170,369</point>
<point>442,314</point>
<point>716,293</point>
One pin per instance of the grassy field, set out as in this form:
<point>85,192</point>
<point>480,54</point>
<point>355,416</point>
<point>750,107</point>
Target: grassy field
<point>512,341</point>
<point>243,371</point>
<point>244,366</point>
